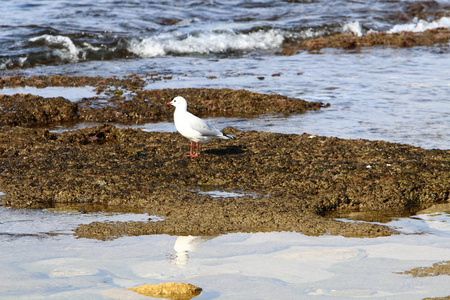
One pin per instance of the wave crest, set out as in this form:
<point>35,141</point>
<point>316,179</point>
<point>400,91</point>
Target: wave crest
<point>421,25</point>
<point>206,43</point>
<point>62,46</point>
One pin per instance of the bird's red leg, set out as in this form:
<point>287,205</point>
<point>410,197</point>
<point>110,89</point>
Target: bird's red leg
<point>198,149</point>
<point>192,151</point>
<point>192,145</point>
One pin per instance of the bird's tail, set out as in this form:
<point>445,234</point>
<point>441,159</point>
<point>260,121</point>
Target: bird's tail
<point>227,136</point>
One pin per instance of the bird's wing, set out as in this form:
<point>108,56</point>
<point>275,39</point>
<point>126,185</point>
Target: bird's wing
<point>201,126</point>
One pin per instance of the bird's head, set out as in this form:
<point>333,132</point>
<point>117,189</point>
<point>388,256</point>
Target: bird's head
<point>178,102</point>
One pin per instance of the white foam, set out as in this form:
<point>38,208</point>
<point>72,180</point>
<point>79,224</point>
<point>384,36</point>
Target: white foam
<point>217,194</point>
<point>307,33</point>
<point>436,224</point>
<point>421,25</point>
<point>5,64</point>
<point>353,27</point>
<point>65,48</point>
<point>206,43</point>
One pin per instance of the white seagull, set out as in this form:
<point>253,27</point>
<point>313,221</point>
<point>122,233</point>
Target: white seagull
<point>192,127</point>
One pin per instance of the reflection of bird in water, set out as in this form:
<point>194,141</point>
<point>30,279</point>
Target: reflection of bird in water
<point>184,245</point>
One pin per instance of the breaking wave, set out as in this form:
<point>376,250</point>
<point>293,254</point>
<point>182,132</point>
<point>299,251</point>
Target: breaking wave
<point>353,27</point>
<point>53,49</point>
<point>415,26</point>
<point>63,46</point>
<point>48,49</point>
<point>206,43</point>
<point>421,25</point>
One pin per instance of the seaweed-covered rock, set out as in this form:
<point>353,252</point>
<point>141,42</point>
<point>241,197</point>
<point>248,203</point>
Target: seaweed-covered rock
<point>123,101</point>
<point>31,110</point>
<point>287,181</point>
<point>169,290</point>
<point>130,82</point>
<point>440,268</point>
<point>350,41</point>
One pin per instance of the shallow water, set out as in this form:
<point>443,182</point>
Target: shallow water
<point>278,265</point>
<point>397,95</point>
<point>73,94</point>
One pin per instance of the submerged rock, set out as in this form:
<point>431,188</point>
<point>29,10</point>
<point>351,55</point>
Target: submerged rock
<point>169,290</point>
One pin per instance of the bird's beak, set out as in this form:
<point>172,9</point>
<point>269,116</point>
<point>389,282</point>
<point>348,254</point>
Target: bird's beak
<point>169,103</point>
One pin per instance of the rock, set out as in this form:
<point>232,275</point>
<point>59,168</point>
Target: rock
<point>170,290</point>
<point>440,268</point>
<point>289,182</point>
<point>350,41</point>
<point>127,103</point>
<point>31,110</point>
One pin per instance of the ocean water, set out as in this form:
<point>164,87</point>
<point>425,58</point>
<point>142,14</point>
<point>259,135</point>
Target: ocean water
<point>49,32</point>
<point>381,93</point>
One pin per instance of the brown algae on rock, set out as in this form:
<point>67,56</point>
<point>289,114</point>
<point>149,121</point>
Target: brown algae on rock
<point>124,101</point>
<point>169,290</point>
<point>440,268</point>
<point>290,180</point>
<point>350,41</point>
<point>31,110</point>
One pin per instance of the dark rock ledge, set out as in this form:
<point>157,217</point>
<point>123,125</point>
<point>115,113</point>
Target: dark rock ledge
<point>289,181</point>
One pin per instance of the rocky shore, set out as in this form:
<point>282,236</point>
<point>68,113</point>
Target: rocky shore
<point>284,182</point>
<point>348,41</point>
<point>124,101</point>
<point>417,10</point>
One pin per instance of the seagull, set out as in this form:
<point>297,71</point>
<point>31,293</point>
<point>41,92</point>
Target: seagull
<point>192,127</point>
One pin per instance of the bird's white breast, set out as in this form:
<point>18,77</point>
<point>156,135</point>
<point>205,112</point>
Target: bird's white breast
<point>193,127</point>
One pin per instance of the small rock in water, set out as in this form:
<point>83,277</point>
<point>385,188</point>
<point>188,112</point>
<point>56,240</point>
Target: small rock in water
<point>170,290</point>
